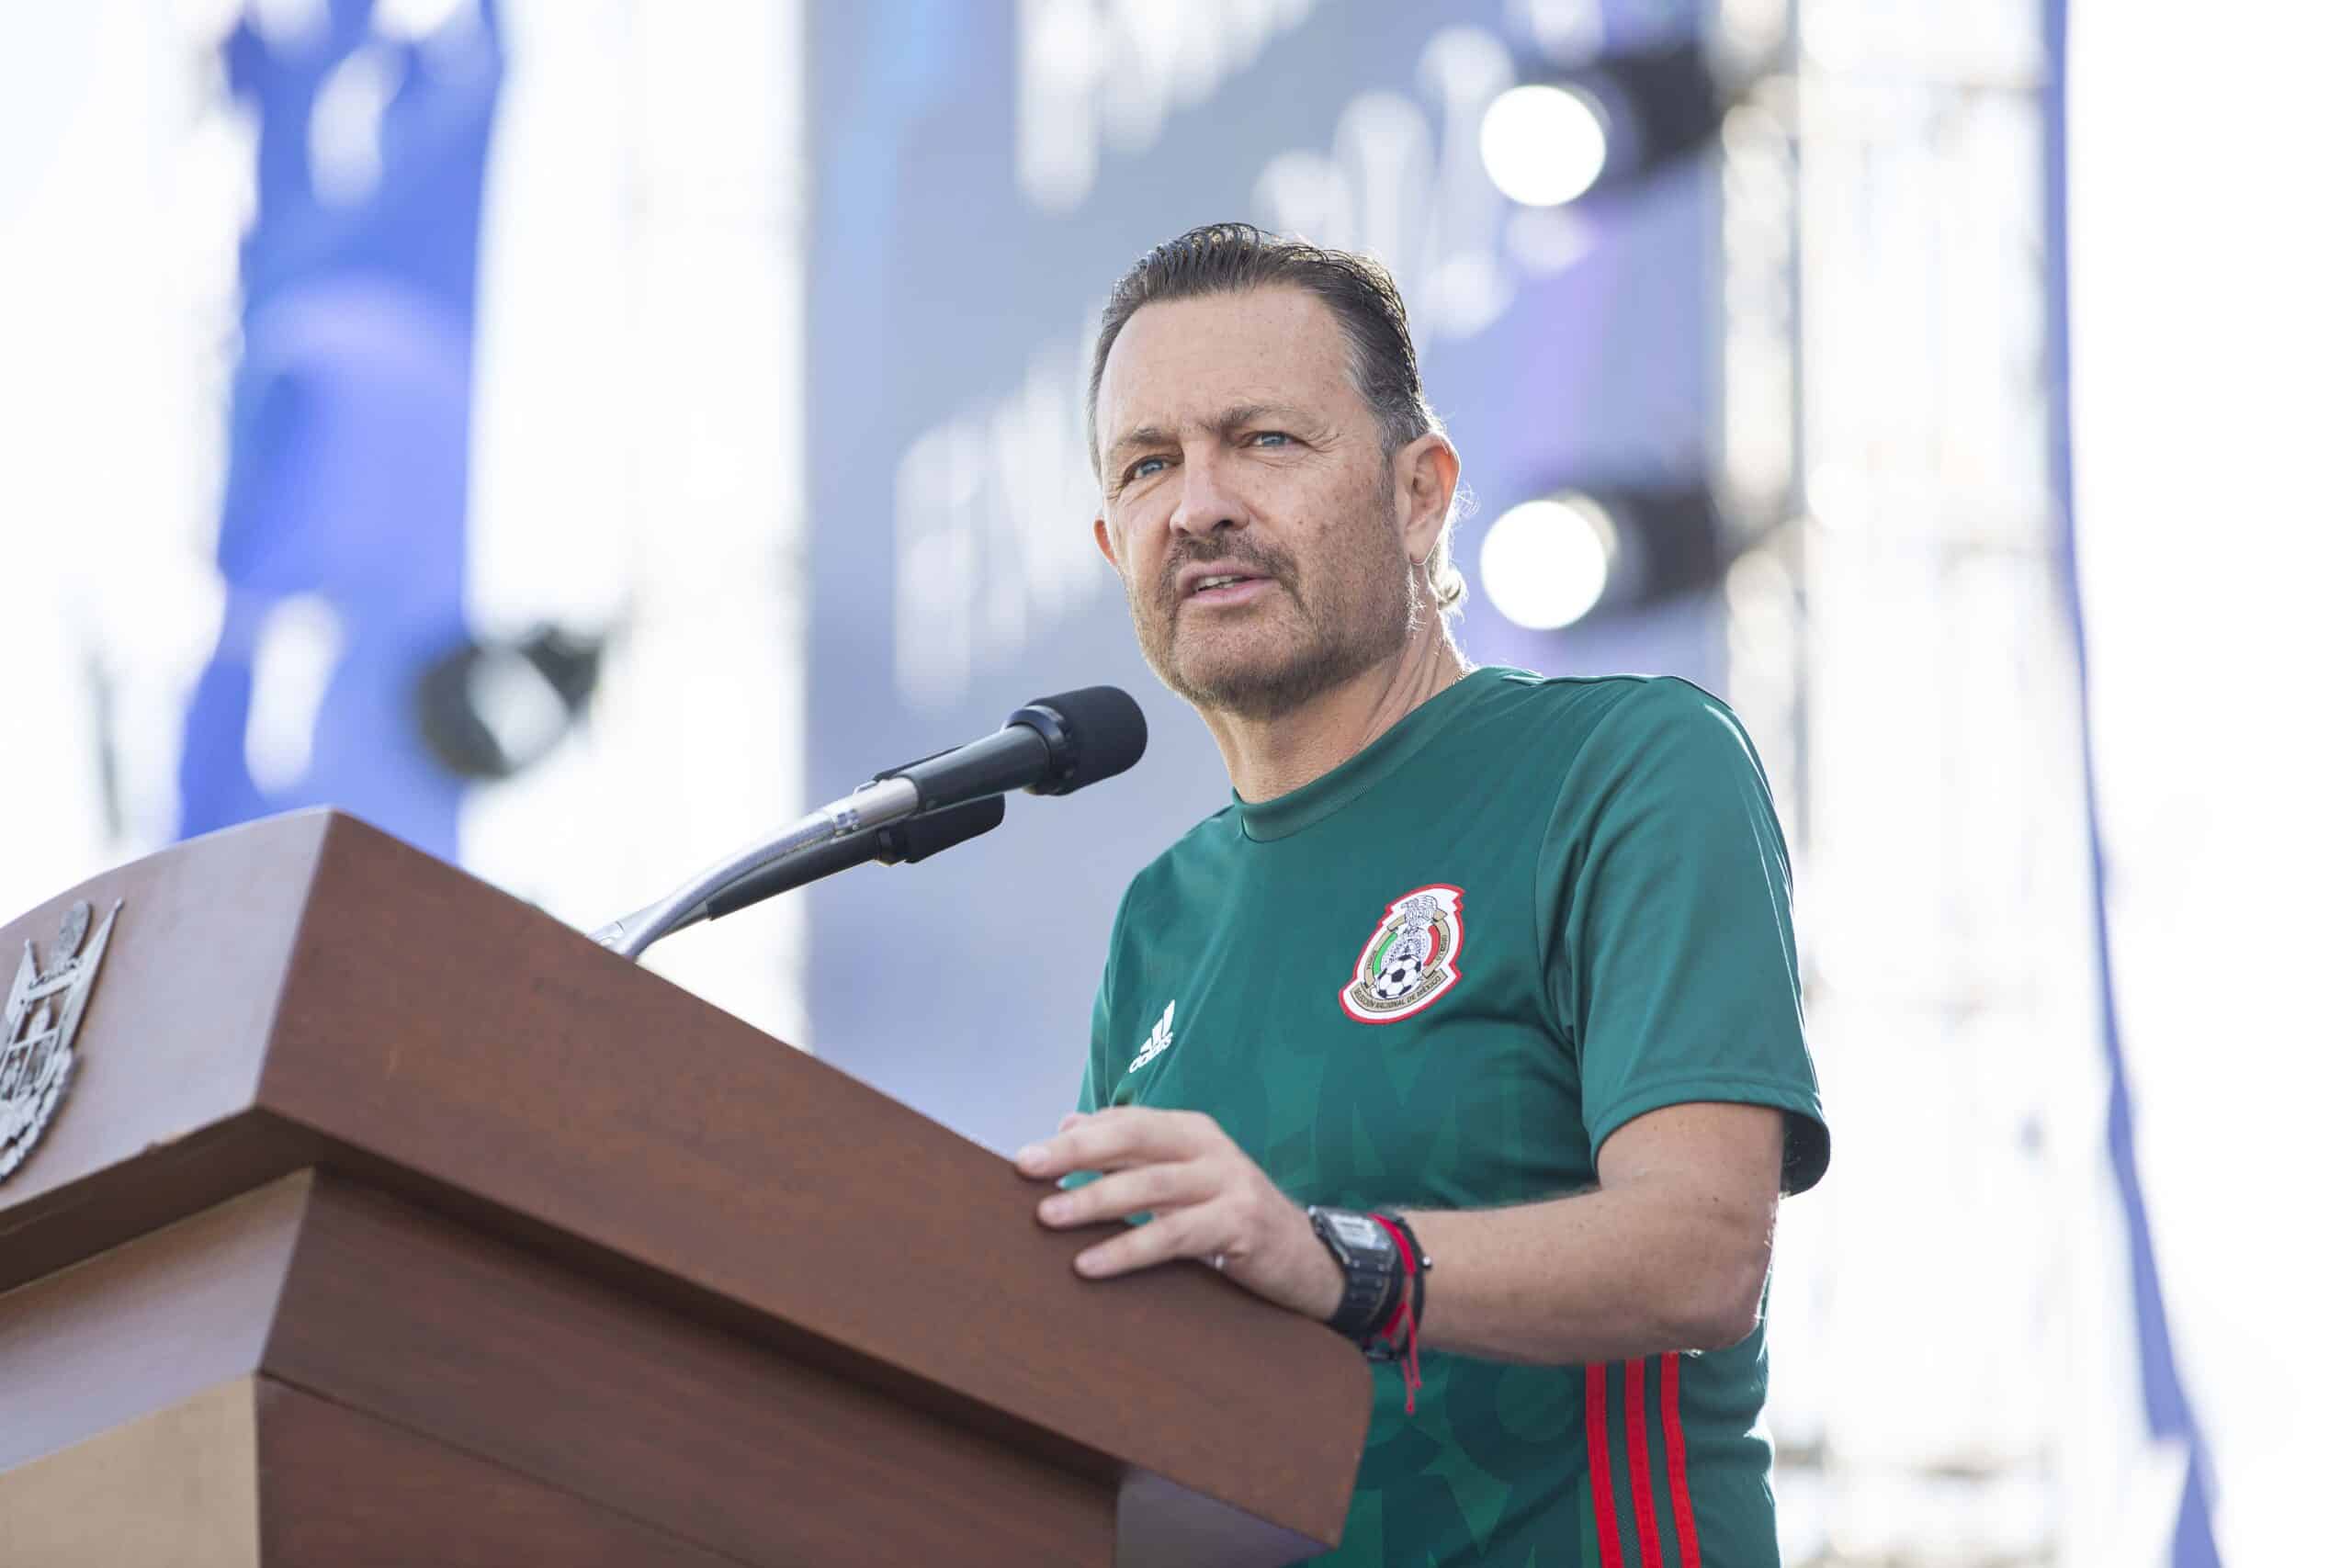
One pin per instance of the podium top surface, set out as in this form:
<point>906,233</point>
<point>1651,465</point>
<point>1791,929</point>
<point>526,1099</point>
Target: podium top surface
<point>306,991</point>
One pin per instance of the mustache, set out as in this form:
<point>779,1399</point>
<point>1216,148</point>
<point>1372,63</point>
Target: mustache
<point>1258,561</point>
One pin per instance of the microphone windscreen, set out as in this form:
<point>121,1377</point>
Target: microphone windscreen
<point>1104,729</point>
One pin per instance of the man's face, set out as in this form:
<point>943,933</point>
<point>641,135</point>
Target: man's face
<point>1235,445</point>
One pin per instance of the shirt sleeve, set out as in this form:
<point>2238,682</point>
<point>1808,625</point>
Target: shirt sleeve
<point>1094,1085</point>
<point>1673,969</point>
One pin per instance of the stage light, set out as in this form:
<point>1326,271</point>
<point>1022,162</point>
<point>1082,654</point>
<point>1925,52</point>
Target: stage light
<point>1544,144</point>
<point>1546,563</point>
<point>1565,134</point>
<point>1576,553</point>
<point>488,710</point>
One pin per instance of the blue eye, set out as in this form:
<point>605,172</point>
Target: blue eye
<point>1142,469</point>
<point>1258,437</point>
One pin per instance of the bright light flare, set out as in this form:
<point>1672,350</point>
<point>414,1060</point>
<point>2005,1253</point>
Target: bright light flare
<point>1545,563</point>
<point>1544,144</point>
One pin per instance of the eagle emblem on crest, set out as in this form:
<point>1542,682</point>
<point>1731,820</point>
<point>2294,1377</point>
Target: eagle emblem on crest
<point>1412,957</point>
<point>45,1003</point>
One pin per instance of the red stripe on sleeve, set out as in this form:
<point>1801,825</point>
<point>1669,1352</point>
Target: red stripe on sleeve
<point>1637,1466</point>
<point>1678,1471</point>
<point>1596,1448</point>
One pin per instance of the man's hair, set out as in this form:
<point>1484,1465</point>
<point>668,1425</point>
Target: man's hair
<point>1229,258</point>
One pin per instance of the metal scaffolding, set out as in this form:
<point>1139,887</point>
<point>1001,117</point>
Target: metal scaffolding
<point>1894,624</point>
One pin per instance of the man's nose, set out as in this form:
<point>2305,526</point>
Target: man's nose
<point>1208,501</point>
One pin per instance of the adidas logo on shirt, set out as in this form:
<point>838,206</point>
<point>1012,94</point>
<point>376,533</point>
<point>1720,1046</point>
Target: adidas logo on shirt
<point>1163,1036</point>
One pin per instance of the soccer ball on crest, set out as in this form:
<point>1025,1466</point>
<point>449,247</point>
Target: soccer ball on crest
<point>1398,977</point>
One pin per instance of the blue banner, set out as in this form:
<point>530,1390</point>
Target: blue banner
<point>2170,1419</point>
<point>342,543</point>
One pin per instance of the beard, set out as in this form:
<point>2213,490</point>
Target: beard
<point>1309,633</point>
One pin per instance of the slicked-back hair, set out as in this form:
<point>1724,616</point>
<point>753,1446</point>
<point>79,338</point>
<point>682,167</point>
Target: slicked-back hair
<point>1231,258</point>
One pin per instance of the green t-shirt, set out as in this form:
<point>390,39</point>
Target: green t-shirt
<point>1439,976</point>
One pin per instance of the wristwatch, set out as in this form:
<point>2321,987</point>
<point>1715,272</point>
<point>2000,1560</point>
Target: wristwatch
<point>1375,1271</point>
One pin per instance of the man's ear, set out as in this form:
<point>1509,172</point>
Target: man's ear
<point>1102,543</point>
<point>1426,472</point>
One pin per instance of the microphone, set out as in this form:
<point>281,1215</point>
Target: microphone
<point>1052,746</point>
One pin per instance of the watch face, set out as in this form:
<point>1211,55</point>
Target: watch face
<point>1359,1232</point>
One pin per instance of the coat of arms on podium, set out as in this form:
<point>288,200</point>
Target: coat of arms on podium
<point>45,1002</point>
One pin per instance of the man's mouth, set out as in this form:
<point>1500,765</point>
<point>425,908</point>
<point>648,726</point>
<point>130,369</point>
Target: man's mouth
<point>1207,584</point>
<point>1225,590</point>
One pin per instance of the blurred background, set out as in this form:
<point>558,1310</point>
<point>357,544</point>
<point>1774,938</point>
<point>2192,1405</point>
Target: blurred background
<point>577,435</point>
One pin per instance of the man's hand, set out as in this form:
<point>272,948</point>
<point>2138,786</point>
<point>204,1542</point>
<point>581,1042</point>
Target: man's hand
<point>1206,1198</point>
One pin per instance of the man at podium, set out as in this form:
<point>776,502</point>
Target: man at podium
<point>1471,1025</point>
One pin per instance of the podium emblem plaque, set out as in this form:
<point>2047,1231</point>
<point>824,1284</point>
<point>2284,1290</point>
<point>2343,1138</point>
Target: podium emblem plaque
<point>45,1003</point>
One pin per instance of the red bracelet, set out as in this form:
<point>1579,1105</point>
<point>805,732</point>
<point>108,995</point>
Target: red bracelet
<point>1408,1314</point>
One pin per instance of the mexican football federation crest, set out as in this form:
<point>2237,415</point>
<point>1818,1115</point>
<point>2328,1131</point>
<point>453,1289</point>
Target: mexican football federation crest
<point>45,1004</point>
<point>1414,957</point>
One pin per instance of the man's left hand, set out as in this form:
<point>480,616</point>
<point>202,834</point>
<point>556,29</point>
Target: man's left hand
<point>1206,1198</point>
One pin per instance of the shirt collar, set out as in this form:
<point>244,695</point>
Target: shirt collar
<point>1303,807</point>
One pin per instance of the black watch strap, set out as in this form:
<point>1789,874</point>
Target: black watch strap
<point>1374,1270</point>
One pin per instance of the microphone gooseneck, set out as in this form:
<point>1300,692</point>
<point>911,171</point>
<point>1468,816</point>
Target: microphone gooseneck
<point>870,805</point>
<point>905,841</point>
<point>1052,746</point>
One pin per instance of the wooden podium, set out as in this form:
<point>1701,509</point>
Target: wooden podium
<point>387,1220</point>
